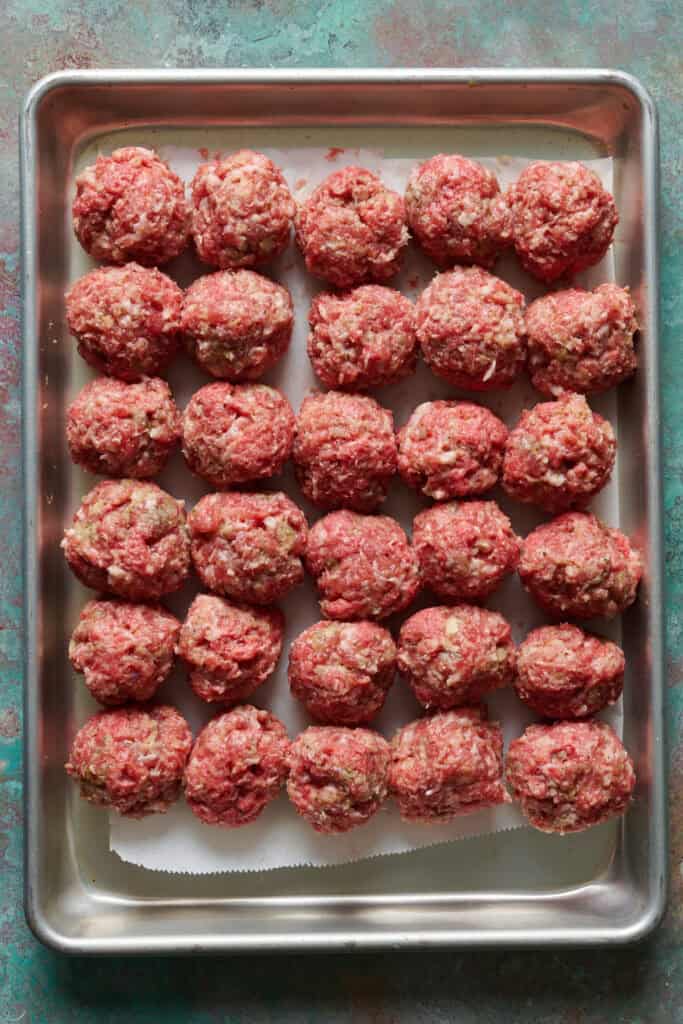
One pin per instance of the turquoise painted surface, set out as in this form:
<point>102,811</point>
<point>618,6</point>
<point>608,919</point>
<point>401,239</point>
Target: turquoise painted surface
<point>636,986</point>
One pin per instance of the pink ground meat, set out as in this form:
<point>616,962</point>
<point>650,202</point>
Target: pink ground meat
<point>569,776</point>
<point>126,320</point>
<point>352,229</point>
<point>344,451</point>
<point>238,765</point>
<point>131,759</point>
<point>236,433</point>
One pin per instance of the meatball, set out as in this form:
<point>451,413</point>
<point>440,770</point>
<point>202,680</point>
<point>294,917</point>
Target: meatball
<point>238,765</point>
<point>581,341</point>
<point>119,429</point>
<point>248,546</point>
<point>131,206</point>
<point>237,324</point>
<point>563,672</point>
<point>578,566</point>
<point>363,566</point>
<point>242,211</point>
<point>563,219</point>
<point>344,451</point>
<point>470,326</point>
<point>352,229</point>
<point>451,449</point>
<point>338,776</point>
<point>235,433</point>
<point>126,320</point>
<point>560,455</point>
<point>448,764</point>
<point>456,211</point>
<point>130,539</point>
<point>569,776</point>
<point>229,649</point>
<point>131,759</point>
<point>125,651</point>
<point>342,671</point>
<point>363,338</point>
<point>465,549</point>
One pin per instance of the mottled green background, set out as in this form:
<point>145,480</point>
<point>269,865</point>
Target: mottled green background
<point>642,984</point>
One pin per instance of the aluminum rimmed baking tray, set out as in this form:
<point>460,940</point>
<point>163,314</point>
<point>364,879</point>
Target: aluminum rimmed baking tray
<point>517,888</point>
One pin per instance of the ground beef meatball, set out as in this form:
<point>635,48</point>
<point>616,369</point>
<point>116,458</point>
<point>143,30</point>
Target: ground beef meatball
<point>131,206</point>
<point>338,776</point>
<point>130,539</point>
<point>563,672</point>
<point>352,229</point>
<point>577,566</point>
<point>237,324</point>
<point>131,759</point>
<point>560,455</point>
<point>125,651</point>
<point>236,433</point>
<point>119,429</point>
<point>248,546</point>
<point>581,341</point>
<point>229,649</point>
<point>363,338</point>
<point>344,451</point>
<point>465,549</point>
<point>242,211</point>
<point>342,671</point>
<point>451,449</point>
<point>569,776</point>
<point>563,219</point>
<point>126,320</point>
<point>238,765</point>
<point>470,326</point>
<point>456,211</point>
<point>448,764</point>
<point>363,566</point>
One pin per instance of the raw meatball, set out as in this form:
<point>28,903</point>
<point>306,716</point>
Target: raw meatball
<point>563,672</point>
<point>456,211</point>
<point>126,320</point>
<point>125,651</point>
<point>581,341</point>
<point>448,764</point>
<point>248,546</point>
<point>352,229</point>
<point>119,429</point>
<point>569,776</point>
<point>131,759</point>
<point>470,326</point>
<point>342,671</point>
<point>131,206</point>
<point>455,655</point>
<point>237,324</point>
<point>232,434</point>
<point>338,776</point>
<point>242,211</point>
<point>229,649</point>
<point>344,451</point>
<point>563,219</point>
<point>362,339</point>
<point>560,455</point>
<point>238,765</point>
<point>130,539</point>
<point>465,548</point>
<point>451,449</point>
<point>363,566</point>
<point>577,566</point>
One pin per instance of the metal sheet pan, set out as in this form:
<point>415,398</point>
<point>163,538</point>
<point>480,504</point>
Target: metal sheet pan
<point>604,886</point>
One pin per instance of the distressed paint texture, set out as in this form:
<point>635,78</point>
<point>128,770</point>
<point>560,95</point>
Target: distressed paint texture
<point>635,985</point>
